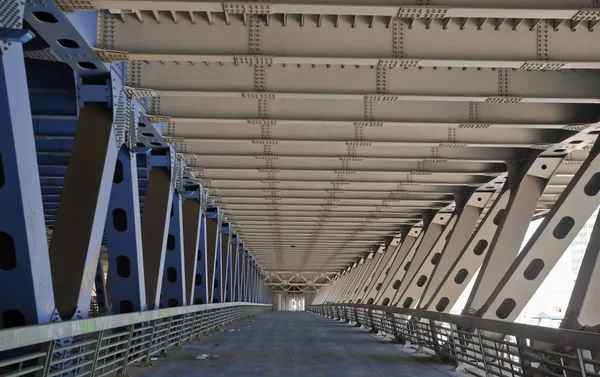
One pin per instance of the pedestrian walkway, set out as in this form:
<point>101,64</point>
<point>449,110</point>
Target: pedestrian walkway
<point>293,344</point>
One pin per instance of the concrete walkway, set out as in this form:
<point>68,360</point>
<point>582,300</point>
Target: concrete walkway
<point>294,344</point>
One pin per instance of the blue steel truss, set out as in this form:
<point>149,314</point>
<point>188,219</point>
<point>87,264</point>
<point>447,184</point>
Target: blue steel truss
<point>62,185</point>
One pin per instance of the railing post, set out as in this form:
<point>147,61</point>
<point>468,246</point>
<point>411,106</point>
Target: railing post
<point>96,352</point>
<point>434,337</point>
<point>49,349</point>
<point>460,367</point>
<point>123,371</point>
<point>483,357</point>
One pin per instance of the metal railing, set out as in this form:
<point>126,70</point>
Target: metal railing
<point>481,346</point>
<point>101,346</point>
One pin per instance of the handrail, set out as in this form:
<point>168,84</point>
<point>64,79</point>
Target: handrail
<point>36,334</point>
<point>579,339</point>
<point>482,346</point>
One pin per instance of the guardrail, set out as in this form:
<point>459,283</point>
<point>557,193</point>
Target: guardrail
<point>101,346</point>
<point>481,346</point>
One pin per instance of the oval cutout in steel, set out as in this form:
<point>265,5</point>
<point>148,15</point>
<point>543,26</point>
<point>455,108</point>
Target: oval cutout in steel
<point>533,270</point>
<point>436,258</point>
<point>442,304</point>
<point>171,275</point>
<point>396,284</point>
<point>119,218</point>
<point>45,17</point>
<point>125,306</point>
<point>123,266</point>
<point>378,287</point>
<point>406,266</point>
<point>173,303</point>
<point>118,176</point>
<point>593,186</point>
<point>385,301</point>
<point>370,301</point>
<point>422,280</point>
<point>68,43</point>
<point>563,228</point>
<point>480,247</point>
<point>8,252</point>
<point>171,242</point>
<point>198,280</point>
<point>507,306</point>
<point>13,318</point>
<point>461,275</point>
<point>498,217</point>
<point>408,302</point>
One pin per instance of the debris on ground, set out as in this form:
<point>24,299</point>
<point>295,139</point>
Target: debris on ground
<point>205,356</point>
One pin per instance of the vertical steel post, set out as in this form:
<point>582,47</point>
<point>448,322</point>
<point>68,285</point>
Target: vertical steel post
<point>124,237</point>
<point>225,261</point>
<point>232,271</point>
<point>173,285</point>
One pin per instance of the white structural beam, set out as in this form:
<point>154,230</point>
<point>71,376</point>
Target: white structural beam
<point>554,235</point>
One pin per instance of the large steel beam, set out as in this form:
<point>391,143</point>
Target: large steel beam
<point>232,272</point>
<point>27,297</point>
<point>382,270</point>
<point>527,183</point>
<point>363,285</point>
<point>173,286</point>
<point>124,238</point>
<point>191,216</point>
<point>155,229</point>
<point>583,311</point>
<point>342,284</point>
<point>79,226</point>
<point>458,239</point>
<point>401,263</point>
<point>358,276</point>
<point>554,235</point>
<point>433,241</point>
<point>463,268</point>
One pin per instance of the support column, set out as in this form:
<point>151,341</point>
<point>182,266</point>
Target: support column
<point>349,281</point>
<point>173,286</point>
<point>527,183</point>
<point>352,279</point>
<point>213,236</point>
<point>445,295</point>
<point>364,285</point>
<point>433,242</point>
<point>554,235</point>
<point>22,234</point>
<point>155,227</point>
<point>454,235</point>
<point>81,216</point>
<point>239,272</point>
<point>359,277</point>
<point>401,264</point>
<point>124,238</point>
<point>382,270</point>
<point>202,281</point>
<point>225,260</point>
<point>459,237</point>
<point>583,312</point>
<point>192,215</point>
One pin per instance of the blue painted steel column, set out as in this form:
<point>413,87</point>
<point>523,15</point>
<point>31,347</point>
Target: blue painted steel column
<point>251,275</point>
<point>192,214</point>
<point>245,271</point>
<point>225,261</point>
<point>173,286</point>
<point>124,238</point>
<point>155,227</point>
<point>213,234</point>
<point>81,216</point>
<point>202,280</point>
<point>24,262</point>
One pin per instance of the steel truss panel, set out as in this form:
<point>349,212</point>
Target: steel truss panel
<point>124,238</point>
<point>556,232</point>
<point>23,232</point>
<point>173,285</point>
